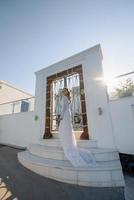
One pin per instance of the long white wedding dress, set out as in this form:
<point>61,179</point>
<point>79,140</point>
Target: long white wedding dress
<point>77,156</point>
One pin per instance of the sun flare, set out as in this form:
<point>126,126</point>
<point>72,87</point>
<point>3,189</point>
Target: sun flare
<point>107,80</point>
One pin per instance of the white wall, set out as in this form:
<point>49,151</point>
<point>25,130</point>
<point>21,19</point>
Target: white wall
<point>19,129</point>
<point>15,106</point>
<point>122,113</point>
<point>100,127</point>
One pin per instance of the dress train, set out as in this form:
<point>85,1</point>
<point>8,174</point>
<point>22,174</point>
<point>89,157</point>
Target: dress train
<point>77,156</point>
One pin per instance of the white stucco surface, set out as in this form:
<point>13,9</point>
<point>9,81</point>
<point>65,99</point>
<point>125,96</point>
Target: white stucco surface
<point>122,113</point>
<point>95,92</point>
<point>18,129</point>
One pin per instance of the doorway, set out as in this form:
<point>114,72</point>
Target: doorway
<point>73,79</point>
<point>72,82</point>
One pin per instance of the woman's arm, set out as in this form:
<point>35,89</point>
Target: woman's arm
<point>64,106</point>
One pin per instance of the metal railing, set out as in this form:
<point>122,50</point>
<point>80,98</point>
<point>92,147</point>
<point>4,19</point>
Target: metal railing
<point>121,86</point>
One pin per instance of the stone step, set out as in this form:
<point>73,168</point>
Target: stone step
<point>104,174</point>
<point>76,133</point>
<point>56,152</point>
<point>56,142</point>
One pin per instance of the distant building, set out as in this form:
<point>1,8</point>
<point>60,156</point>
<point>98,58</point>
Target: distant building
<point>14,100</point>
<point>10,93</point>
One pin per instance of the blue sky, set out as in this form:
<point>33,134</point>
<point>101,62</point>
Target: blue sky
<point>37,33</point>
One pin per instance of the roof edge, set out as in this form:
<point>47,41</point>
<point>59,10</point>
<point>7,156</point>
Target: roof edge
<point>91,49</point>
<point>8,84</point>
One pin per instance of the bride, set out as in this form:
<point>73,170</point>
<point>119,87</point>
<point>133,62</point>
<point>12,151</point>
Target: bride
<point>78,157</point>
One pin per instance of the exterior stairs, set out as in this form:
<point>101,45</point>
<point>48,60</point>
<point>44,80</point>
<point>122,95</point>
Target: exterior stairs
<point>47,159</point>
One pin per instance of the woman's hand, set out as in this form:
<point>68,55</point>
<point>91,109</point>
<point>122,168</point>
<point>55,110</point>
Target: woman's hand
<point>60,120</point>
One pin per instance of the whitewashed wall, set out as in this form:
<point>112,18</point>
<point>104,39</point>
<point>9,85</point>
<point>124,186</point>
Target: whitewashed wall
<point>19,129</point>
<point>100,127</point>
<point>111,129</point>
<point>122,114</point>
<point>15,106</point>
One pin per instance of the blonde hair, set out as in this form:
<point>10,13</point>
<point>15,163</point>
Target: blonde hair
<point>68,94</point>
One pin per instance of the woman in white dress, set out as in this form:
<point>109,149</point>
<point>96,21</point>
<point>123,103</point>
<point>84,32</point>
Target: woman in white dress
<point>78,157</point>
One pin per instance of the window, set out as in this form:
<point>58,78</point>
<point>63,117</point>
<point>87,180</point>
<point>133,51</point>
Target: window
<point>24,106</point>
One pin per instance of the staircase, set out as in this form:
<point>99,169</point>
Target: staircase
<point>47,159</point>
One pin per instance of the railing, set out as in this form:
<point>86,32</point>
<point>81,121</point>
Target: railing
<point>23,105</point>
<point>121,86</point>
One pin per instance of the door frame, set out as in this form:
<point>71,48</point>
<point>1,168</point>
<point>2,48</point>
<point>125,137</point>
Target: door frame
<point>50,79</point>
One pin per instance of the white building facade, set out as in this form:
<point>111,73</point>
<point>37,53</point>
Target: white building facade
<point>45,156</point>
<point>99,125</point>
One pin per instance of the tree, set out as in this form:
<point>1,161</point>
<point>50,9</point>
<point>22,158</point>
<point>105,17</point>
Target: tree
<point>126,89</point>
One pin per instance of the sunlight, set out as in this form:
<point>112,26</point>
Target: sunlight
<point>5,193</point>
<point>107,80</point>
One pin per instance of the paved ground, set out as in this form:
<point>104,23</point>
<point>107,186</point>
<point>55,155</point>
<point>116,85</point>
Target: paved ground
<point>129,191</point>
<point>19,183</point>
